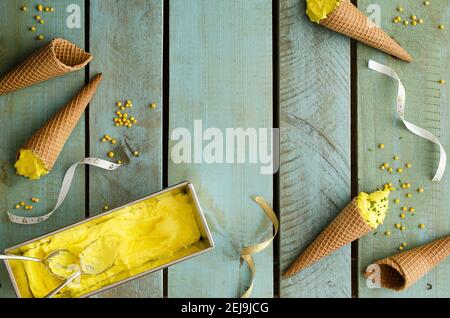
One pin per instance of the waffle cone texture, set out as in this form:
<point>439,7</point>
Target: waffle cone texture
<point>349,20</point>
<point>48,141</point>
<point>348,226</point>
<point>400,271</point>
<point>57,58</point>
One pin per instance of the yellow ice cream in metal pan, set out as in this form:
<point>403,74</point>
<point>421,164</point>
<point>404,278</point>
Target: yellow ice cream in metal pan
<point>128,242</point>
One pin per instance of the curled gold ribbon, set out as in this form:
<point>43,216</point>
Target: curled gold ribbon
<point>247,252</point>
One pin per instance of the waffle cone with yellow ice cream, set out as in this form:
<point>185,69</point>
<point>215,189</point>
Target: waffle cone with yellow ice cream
<point>39,154</point>
<point>343,17</point>
<point>400,271</point>
<point>363,214</point>
<point>57,58</point>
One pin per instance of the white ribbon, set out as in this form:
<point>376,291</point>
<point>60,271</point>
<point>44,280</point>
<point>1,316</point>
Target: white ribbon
<point>65,187</point>
<point>401,98</point>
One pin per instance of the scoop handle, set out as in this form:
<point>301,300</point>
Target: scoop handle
<point>67,282</point>
<point>20,258</point>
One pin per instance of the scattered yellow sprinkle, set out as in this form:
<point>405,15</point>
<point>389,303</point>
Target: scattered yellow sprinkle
<point>413,17</point>
<point>111,154</point>
<point>117,124</point>
<point>381,146</point>
<point>405,22</point>
<point>397,201</point>
<point>106,207</point>
<point>400,9</point>
<point>390,170</point>
<point>47,9</point>
<point>129,101</point>
<point>40,37</point>
<point>395,20</point>
<point>22,203</point>
<point>403,186</point>
<point>399,170</point>
<point>402,215</point>
<point>40,7</point>
<point>397,225</point>
<point>420,190</point>
<point>136,153</point>
<point>421,226</point>
<point>408,165</point>
<point>17,206</point>
<point>400,248</point>
<point>403,228</point>
<point>427,3</point>
<point>441,27</point>
<point>408,185</point>
<point>119,162</point>
<point>442,81</point>
<point>119,104</point>
<point>113,141</point>
<point>404,244</point>
<point>396,157</point>
<point>408,195</point>
<point>103,139</point>
<point>52,9</point>
<point>420,21</point>
<point>387,233</point>
<point>24,8</point>
<point>37,17</point>
<point>41,21</point>
<point>32,29</point>
<point>411,209</point>
<point>386,165</point>
<point>414,23</point>
<point>404,208</point>
<point>122,108</point>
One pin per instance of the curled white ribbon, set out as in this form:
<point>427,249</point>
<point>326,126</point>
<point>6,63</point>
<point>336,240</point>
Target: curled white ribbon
<point>401,99</point>
<point>65,187</point>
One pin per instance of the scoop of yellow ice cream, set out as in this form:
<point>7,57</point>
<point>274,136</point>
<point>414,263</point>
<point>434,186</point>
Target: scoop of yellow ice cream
<point>30,165</point>
<point>63,263</point>
<point>320,9</point>
<point>373,207</point>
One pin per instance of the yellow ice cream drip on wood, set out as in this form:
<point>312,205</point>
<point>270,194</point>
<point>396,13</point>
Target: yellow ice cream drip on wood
<point>320,9</point>
<point>30,165</point>
<point>132,240</point>
<point>373,207</point>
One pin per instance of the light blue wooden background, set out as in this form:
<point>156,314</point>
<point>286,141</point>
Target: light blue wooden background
<point>221,66</point>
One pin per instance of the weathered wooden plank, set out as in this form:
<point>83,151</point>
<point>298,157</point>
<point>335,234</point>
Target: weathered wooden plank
<point>221,74</point>
<point>427,106</point>
<point>25,111</point>
<point>315,148</point>
<point>126,39</point>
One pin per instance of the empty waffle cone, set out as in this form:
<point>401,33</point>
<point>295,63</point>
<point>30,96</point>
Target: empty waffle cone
<point>400,271</point>
<point>55,59</point>
<point>48,141</point>
<point>349,20</point>
<point>348,226</point>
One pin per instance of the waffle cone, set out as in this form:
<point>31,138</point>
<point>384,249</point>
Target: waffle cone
<point>400,271</point>
<point>48,141</point>
<point>349,20</point>
<point>55,59</point>
<point>348,226</point>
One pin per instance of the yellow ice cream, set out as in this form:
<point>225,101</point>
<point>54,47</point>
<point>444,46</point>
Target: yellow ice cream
<point>320,9</point>
<point>127,242</point>
<point>373,207</point>
<point>30,165</point>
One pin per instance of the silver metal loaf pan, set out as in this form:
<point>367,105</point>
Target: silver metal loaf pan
<point>185,187</point>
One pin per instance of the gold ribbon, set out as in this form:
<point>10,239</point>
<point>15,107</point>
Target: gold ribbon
<point>246,252</point>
